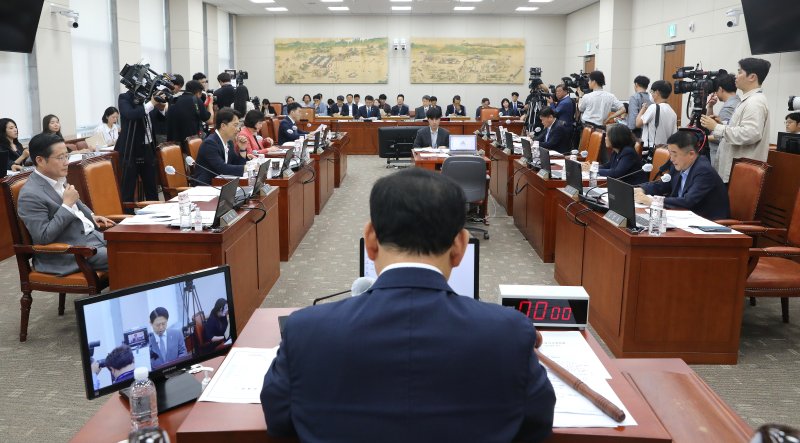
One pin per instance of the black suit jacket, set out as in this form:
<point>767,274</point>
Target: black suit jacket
<point>704,193</point>
<point>452,110</point>
<point>185,118</point>
<point>225,95</point>
<point>408,361</point>
<point>289,131</point>
<point>212,157</point>
<point>371,112</point>
<point>622,163</point>
<point>419,113</point>
<point>558,140</point>
<point>334,109</point>
<point>133,126</point>
<point>400,110</point>
<point>423,139</point>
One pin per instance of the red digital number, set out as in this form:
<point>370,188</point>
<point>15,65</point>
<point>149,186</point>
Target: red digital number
<point>566,314</point>
<point>522,307</point>
<point>540,314</point>
<point>555,313</point>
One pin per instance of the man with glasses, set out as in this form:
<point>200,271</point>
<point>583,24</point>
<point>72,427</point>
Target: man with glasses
<point>53,212</point>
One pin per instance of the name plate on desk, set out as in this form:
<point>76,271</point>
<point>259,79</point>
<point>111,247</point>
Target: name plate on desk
<point>549,306</point>
<point>572,192</point>
<point>544,175</point>
<point>228,217</point>
<point>615,219</point>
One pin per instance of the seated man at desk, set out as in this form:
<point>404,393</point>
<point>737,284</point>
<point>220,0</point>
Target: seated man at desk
<point>166,345</point>
<point>422,111</point>
<point>695,185</point>
<point>215,157</point>
<point>410,360</point>
<point>369,110</point>
<point>555,135</point>
<point>288,130</point>
<point>456,108</point>
<point>53,212</point>
<point>433,136</point>
<point>400,108</point>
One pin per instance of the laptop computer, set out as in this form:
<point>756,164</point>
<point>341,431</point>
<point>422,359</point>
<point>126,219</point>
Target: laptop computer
<point>545,165</point>
<point>620,200</point>
<point>498,136</point>
<point>464,144</point>
<point>527,154</point>
<point>251,191</point>
<point>574,176</point>
<point>509,141</point>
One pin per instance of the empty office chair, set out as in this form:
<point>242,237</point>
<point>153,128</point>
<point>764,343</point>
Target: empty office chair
<point>470,173</point>
<point>192,146</point>
<point>85,281</point>
<point>278,107</point>
<point>744,191</point>
<point>773,271</point>
<point>489,114</point>
<point>584,142</point>
<point>660,156</point>
<point>100,189</point>
<point>596,144</point>
<point>169,154</point>
<point>307,114</point>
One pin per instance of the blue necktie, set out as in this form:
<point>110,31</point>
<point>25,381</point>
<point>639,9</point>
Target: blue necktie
<point>683,182</point>
<point>162,346</point>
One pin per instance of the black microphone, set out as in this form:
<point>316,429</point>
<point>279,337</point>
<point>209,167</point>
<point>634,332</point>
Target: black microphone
<point>359,286</point>
<point>170,170</point>
<point>190,162</point>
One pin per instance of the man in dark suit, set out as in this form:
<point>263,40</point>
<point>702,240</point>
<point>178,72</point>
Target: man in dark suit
<point>695,185</point>
<point>421,112</point>
<point>185,117</point>
<point>435,103</point>
<point>456,108</point>
<point>516,104</point>
<point>215,156</point>
<point>166,345</point>
<point>53,213</point>
<point>224,95</point>
<point>554,135</point>
<point>411,360</point>
<point>433,136</point>
<point>338,107</point>
<point>369,110</point>
<point>400,108</point>
<point>120,364</point>
<point>350,108</point>
<point>288,130</point>
<point>135,145</point>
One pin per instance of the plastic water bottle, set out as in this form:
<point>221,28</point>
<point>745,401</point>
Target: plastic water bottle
<point>143,401</point>
<point>197,220</point>
<point>185,211</point>
<point>261,159</point>
<point>535,151</point>
<point>251,173</point>
<point>658,217</point>
<point>594,168</point>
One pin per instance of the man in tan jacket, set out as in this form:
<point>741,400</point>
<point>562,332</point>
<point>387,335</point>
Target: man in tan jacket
<point>747,133</point>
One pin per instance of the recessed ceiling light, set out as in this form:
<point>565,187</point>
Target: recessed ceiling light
<point>331,1</point>
<point>400,1</point>
<point>470,1</point>
<point>527,8</point>
<point>539,1</point>
<point>463,8</point>
<point>277,9</point>
<point>262,1</point>
<point>338,8</point>
<point>401,8</point>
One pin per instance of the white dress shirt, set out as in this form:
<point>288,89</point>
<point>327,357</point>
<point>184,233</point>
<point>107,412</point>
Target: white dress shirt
<point>224,146</point>
<point>110,135</point>
<point>58,186</point>
<point>596,105</point>
<point>412,265</point>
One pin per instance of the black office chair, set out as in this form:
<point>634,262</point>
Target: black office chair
<point>470,173</point>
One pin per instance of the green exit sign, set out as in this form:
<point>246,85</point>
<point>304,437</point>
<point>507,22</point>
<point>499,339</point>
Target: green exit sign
<point>672,31</point>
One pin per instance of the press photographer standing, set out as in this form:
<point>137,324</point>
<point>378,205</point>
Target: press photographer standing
<point>135,145</point>
<point>726,93</point>
<point>746,134</point>
<point>596,105</point>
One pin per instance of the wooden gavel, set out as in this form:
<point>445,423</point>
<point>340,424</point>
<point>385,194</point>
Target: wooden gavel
<point>598,400</point>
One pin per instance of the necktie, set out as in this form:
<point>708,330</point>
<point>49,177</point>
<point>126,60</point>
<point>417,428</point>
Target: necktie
<point>162,346</point>
<point>680,186</point>
<point>547,135</point>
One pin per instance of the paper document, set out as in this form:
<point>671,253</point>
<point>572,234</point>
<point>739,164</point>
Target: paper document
<point>684,219</point>
<point>148,219</point>
<point>203,190</point>
<point>164,208</point>
<point>432,150</point>
<point>196,198</point>
<point>573,410</point>
<point>240,377</point>
<point>570,350</point>
<point>430,155</point>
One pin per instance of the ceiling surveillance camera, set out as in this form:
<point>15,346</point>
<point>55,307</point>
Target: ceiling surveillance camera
<point>733,17</point>
<point>73,22</point>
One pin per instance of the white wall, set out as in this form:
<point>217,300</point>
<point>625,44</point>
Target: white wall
<point>582,27</point>
<point>255,52</point>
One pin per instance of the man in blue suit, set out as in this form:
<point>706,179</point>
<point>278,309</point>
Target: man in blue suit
<point>288,130</point>
<point>400,108</point>
<point>695,185</point>
<point>554,135</point>
<point>410,360</point>
<point>369,110</point>
<point>166,345</point>
<point>215,156</point>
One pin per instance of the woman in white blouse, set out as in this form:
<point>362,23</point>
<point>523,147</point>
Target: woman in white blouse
<point>109,129</point>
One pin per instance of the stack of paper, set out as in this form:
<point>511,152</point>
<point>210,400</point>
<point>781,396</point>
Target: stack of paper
<point>570,350</point>
<point>685,219</point>
<point>240,377</point>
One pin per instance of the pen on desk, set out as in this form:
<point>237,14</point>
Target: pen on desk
<point>598,400</point>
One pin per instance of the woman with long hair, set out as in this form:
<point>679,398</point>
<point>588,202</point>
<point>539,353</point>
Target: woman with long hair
<point>241,100</point>
<point>217,322</point>
<point>9,142</point>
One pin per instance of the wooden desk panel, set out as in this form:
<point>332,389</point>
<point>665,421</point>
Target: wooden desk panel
<point>503,178</point>
<point>568,268</point>
<point>340,159</point>
<point>295,209</point>
<point>652,296</point>
<point>324,180</point>
<point>777,201</point>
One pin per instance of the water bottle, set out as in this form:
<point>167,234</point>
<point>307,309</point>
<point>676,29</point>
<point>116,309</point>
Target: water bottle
<point>251,173</point>
<point>658,217</point>
<point>535,152</point>
<point>593,169</point>
<point>143,402</point>
<point>261,159</point>
<point>184,211</point>
<point>197,220</point>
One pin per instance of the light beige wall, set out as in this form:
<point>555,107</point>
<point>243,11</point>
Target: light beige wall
<point>186,36</point>
<point>582,27</point>
<point>128,34</point>
<point>212,45</point>
<point>53,48</point>
<point>254,42</point>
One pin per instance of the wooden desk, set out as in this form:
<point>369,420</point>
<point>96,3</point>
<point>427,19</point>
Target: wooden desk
<point>777,201</point>
<point>296,204</point>
<point>340,158</point>
<point>501,185</point>
<point>324,178</point>
<point>143,253</point>
<point>679,295</point>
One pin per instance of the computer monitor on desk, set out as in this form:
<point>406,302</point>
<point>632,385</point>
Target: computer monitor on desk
<point>396,141</point>
<point>463,278</point>
<point>463,144</point>
<point>620,200</point>
<point>789,142</point>
<point>164,326</point>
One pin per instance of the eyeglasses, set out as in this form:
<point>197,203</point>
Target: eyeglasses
<point>62,158</point>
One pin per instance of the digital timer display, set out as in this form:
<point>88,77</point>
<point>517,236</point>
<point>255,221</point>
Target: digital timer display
<point>543,311</point>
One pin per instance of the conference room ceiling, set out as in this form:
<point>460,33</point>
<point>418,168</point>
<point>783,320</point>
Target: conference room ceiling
<point>384,7</point>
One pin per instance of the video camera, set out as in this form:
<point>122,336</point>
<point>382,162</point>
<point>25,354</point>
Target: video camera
<point>144,82</point>
<point>794,103</point>
<point>136,338</point>
<point>92,346</point>
<point>577,81</point>
<point>239,75</point>
<point>701,85</point>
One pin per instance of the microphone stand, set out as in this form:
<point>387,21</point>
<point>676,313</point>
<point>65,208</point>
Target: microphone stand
<point>317,300</point>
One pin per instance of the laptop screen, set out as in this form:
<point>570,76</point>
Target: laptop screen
<point>463,278</point>
<point>544,159</point>
<point>620,200</point>
<point>463,143</point>
<point>574,175</point>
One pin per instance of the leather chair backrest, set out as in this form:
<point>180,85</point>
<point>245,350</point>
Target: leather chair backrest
<point>660,156</point>
<point>266,129</point>
<point>745,186</point>
<point>276,128</point>
<point>490,114</point>
<point>100,182</point>
<point>595,144</point>
<point>307,114</point>
<point>169,154</point>
<point>470,173</point>
<point>193,146</point>
<point>81,144</point>
<point>278,107</point>
<point>793,232</point>
<point>584,142</point>
<point>638,148</point>
<point>12,186</point>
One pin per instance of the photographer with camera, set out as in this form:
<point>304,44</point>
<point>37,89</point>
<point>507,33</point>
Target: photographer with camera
<point>747,133</point>
<point>135,143</point>
<point>657,121</point>
<point>185,117</point>
<point>596,105</point>
<point>563,105</point>
<point>726,93</point>
<point>224,95</point>
<point>639,99</point>
<point>120,364</point>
